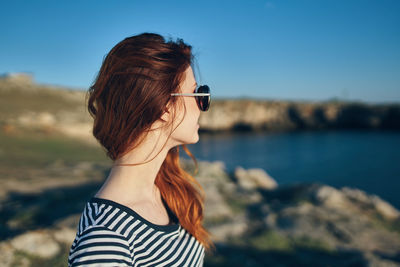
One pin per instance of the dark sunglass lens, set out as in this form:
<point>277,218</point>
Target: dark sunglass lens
<point>203,101</point>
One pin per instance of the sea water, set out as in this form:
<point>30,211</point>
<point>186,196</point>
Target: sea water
<point>364,159</point>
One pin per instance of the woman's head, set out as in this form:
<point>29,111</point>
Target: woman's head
<point>132,94</point>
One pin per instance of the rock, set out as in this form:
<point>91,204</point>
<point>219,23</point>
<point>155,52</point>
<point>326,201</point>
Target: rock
<point>7,254</point>
<point>215,205</point>
<point>375,202</point>
<point>331,197</point>
<point>355,194</point>
<point>38,242</point>
<point>384,208</point>
<point>270,220</point>
<point>64,235</point>
<point>32,119</point>
<point>215,182</point>
<point>254,178</point>
<point>221,232</point>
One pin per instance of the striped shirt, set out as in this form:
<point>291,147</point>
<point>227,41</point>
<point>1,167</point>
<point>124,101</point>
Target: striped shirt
<point>111,234</point>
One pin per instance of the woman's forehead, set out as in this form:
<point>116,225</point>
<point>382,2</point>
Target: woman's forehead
<point>190,82</point>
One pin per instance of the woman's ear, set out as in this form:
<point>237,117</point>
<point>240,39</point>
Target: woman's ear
<point>167,113</point>
<point>165,116</point>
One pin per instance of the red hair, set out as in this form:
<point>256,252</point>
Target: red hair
<point>131,92</point>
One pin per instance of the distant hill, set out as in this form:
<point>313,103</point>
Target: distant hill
<point>23,103</point>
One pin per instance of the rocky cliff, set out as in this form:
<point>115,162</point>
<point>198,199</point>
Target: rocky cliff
<point>266,115</point>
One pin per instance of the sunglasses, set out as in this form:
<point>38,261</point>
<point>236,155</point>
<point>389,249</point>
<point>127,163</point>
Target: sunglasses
<point>202,95</point>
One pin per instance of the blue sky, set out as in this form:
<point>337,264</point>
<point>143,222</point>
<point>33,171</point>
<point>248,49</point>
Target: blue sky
<point>310,50</point>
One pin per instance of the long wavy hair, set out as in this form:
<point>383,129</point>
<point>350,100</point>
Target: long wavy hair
<point>131,92</point>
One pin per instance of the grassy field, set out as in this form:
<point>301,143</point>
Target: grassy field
<point>28,148</point>
<point>17,99</point>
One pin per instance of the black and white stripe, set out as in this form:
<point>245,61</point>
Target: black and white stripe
<point>110,234</point>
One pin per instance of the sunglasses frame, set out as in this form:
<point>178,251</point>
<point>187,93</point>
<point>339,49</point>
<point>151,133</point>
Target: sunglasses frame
<point>195,94</point>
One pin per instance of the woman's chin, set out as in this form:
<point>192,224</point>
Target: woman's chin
<point>195,138</point>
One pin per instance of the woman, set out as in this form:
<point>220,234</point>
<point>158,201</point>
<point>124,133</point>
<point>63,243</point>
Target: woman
<point>149,211</point>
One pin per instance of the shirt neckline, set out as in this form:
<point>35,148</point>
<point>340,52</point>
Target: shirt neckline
<point>165,228</point>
